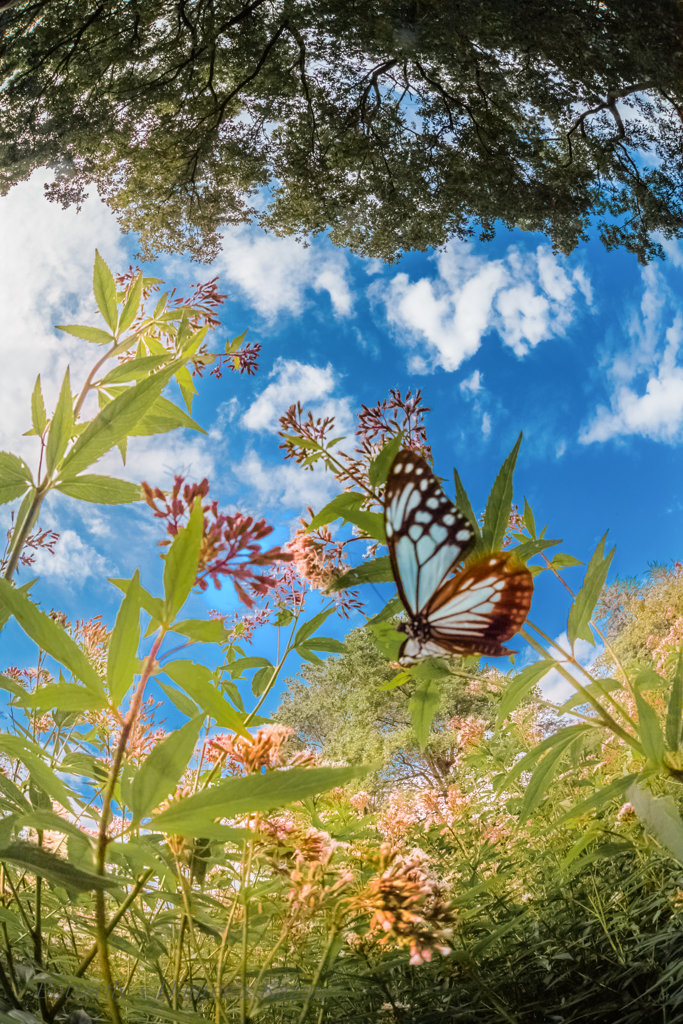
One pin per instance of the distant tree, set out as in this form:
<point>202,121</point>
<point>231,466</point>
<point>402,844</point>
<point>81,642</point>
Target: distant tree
<point>340,711</point>
<point>395,124</point>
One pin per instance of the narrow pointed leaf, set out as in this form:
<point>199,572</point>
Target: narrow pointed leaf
<point>163,416</point>
<point>674,714</point>
<point>163,768</point>
<point>497,515</point>
<point>337,509</point>
<point>104,288</point>
<point>38,414</point>
<point>180,564</point>
<point>423,706</point>
<point>132,303</point>
<point>248,795</point>
<point>463,503</point>
<point>307,629</point>
<point>584,604</point>
<point>61,697</point>
<point>93,334</point>
<point>197,681</point>
<point>30,755</point>
<point>49,636</point>
<point>134,369</point>
<point>101,490</point>
<point>61,428</point>
<point>564,737</point>
<point>38,861</point>
<point>381,464</point>
<point>15,477</point>
<point>649,730</point>
<point>376,571</point>
<point>114,423</point>
<point>543,775</point>
<point>518,687</point>
<point>529,521</point>
<point>122,659</point>
<point>186,706</point>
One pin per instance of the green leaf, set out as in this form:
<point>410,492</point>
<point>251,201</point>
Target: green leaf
<point>529,520</point>
<point>563,737</point>
<point>463,503</point>
<point>186,706</point>
<point>163,768</point>
<point>379,467</point>
<point>562,561</point>
<point>12,686</point>
<point>133,369</point>
<point>61,697</point>
<point>30,755</point>
<point>497,515</point>
<point>376,571</point>
<point>162,417</point>
<point>236,668</point>
<point>203,631</point>
<point>132,303</point>
<point>5,612</point>
<point>86,765</point>
<point>523,552</point>
<point>661,816</point>
<point>94,334</point>
<point>371,523</point>
<point>38,861</point>
<point>61,428</point>
<point>154,606</point>
<point>308,628</point>
<point>261,680</point>
<point>15,477</point>
<point>102,490</point>
<point>518,687</point>
<point>38,414</point>
<point>104,288</point>
<point>196,680</point>
<point>674,713</point>
<point>399,679</point>
<point>234,797</point>
<point>49,636</point>
<point>599,799</point>
<point>304,653</point>
<point>387,639</point>
<point>598,688</point>
<point>114,423</point>
<point>122,659</point>
<point>543,775</point>
<point>423,706</point>
<point>584,604</point>
<point>325,643</point>
<point>391,608</point>
<point>181,562</point>
<point>336,509</point>
<point>648,679</point>
<point>45,820</point>
<point>649,730</point>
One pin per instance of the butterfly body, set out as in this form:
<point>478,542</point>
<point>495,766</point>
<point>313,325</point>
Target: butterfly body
<point>472,612</point>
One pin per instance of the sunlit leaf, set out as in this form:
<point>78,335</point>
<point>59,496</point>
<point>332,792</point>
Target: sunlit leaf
<point>378,470</point>
<point>180,564</point>
<point>61,427</point>
<point>122,658</point>
<point>15,477</point>
<point>584,604</point>
<point>162,769</point>
<point>423,706</point>
<point>497,514</point>
<point>104,288</point>
<point>517,688</point>
<point>102,490</point>
<point>378,570</point>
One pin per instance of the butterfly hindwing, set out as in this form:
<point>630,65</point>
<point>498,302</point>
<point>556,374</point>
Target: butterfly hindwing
<point>473,612</point>
<point>426,534</point>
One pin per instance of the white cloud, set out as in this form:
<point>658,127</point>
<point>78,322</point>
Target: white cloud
<point>292,382</point>
<point>46,263</point>
<point>274,274</point>
<point>646,379</point>
<point>288,485</point>
<point>526,297</point>
<point>471,385</point>
<point>560,449</point>
<point>73,561</point>
<point>485,425</point>
<point>554,686</point>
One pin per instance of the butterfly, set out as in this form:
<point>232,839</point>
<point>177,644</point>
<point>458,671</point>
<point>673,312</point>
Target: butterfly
<point>472,612</point>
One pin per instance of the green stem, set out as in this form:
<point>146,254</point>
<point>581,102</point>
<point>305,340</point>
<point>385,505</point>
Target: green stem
<point>19,539</point>
<point>316,978</point>
<point>103,838</point>
<point>276,672</point>
<point>605,716</point>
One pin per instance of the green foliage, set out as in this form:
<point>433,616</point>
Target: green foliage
<point>336,109</point>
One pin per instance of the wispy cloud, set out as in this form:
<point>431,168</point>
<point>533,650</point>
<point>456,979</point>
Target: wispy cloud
<point>285,486</point>
<point>73,561</point>
<point>646,378</point>
<point>526,297</point>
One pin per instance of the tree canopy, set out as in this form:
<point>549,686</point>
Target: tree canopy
<point>394,124</point>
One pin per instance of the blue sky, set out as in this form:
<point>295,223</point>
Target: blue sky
<point>580,353</point>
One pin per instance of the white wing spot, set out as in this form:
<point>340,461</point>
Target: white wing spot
<point>492,561</point>
<point>432,503</point>
<point>389,530</point>
<point>461,534</point>
<point>415,532</point>
<point>407,468</point>
<point>424,484</point>
<point>438,532</point>
<point>422,517</point>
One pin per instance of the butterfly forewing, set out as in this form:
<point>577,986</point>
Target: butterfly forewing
<point>426,533</point>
